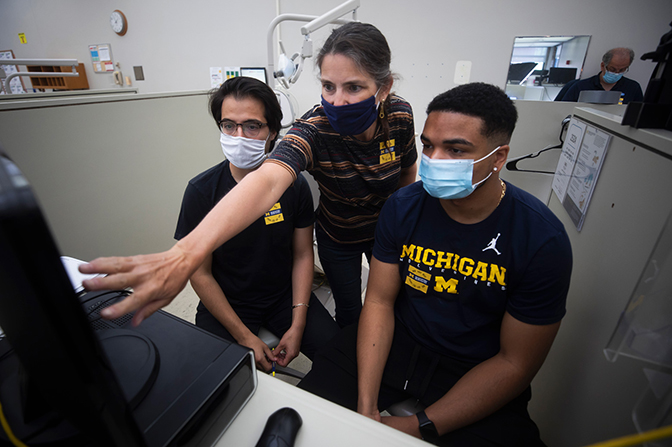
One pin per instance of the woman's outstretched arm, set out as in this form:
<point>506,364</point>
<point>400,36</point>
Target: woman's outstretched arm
<point>157,278</point>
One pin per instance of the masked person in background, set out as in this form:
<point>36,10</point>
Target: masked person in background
<point>264,275</point>
<point>615,63</point>
<point>359,145</point>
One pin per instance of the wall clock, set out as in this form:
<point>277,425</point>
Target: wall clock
<point>118,22</point>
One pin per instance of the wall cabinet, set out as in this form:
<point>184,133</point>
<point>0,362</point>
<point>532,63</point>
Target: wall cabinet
<point>58,83</point>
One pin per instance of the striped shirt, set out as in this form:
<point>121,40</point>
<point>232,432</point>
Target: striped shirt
<point>355,177</point>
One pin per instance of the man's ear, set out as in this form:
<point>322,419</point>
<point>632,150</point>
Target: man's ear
<point>269,146</point>
<point>500,156</point>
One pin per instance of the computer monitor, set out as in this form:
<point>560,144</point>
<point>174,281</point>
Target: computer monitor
<point>68,376</point>
<point>599,96</point>
<point>46,326</point>
<point>561,75</point>
<point>254,72</point>
<point>519,72</point>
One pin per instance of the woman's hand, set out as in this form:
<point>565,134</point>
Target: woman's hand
<point>155,279</point>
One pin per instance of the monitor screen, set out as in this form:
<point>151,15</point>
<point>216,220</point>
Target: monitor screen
<point>561,75</point>
<point>599,96</point>
<point>254,72</point>
<point>519,72</point>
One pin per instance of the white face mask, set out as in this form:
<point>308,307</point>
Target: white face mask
<point>243,153</point>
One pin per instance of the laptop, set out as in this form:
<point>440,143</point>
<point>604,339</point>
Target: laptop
<point>600,96</point>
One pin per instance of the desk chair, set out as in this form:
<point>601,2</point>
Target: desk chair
<point>272,341</point>
<point>407,407</point>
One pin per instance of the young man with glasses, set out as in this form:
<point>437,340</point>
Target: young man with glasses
<point>264,275</point>
<point>615,63</point>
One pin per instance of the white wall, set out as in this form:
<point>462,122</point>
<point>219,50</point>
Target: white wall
<point>574,51</point>
<point>177,42</point>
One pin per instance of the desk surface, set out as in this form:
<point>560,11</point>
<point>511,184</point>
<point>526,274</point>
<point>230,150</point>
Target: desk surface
<point>324,423</point>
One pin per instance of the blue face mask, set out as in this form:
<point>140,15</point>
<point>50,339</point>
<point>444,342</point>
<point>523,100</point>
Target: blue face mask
<point>449,179</point>
<point>611,78</point>
<point>351,119</point>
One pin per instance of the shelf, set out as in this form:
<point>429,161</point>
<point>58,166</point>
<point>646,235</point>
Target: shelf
<point>58,83</point>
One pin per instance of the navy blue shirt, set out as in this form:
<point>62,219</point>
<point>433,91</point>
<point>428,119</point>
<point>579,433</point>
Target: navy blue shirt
<point>458,280</point>
<point>631,89</point>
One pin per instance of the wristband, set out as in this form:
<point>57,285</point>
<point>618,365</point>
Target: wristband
<point>300,304</point>
<point>427,428</point>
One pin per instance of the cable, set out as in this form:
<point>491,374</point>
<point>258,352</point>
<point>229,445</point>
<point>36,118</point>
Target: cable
<point>546,93</point>
<point>640,438</point>
<point>8,431</point>
<point>565,123</point>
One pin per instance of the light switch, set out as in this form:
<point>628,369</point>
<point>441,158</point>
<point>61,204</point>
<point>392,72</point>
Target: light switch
<point>462,72</point>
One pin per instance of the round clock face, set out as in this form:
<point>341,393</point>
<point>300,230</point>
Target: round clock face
<point>118,22</point>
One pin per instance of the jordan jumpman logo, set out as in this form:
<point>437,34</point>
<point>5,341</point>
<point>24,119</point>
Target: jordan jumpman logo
<point>492,245</point>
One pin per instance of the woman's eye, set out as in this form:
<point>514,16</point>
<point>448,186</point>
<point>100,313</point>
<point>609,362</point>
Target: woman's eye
<point>327,87</point>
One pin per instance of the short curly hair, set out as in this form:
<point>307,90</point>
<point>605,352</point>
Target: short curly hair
<point>484,101</point>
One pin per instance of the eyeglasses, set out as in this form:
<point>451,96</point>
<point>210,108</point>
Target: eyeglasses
<point>250,128</point>
<point>613,70</point>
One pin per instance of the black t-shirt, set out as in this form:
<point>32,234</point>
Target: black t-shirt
<point>254,268</point>
<point>458,280</point>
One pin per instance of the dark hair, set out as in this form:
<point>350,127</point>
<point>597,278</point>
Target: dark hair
<point>366,46</point>
<point>609,55</point>
<point>242,87</point>
<point>484,101</point>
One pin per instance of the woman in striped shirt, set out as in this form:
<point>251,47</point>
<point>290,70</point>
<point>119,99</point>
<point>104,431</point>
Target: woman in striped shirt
<point>359,145</point>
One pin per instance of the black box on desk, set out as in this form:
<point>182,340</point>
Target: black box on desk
<point>69,377</point>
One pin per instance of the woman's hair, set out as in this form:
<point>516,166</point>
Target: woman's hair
<point>366,46</point>
<point>242,87</point>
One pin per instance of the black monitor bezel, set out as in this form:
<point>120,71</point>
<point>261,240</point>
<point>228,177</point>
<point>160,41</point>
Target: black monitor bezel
<point>43,321</point>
